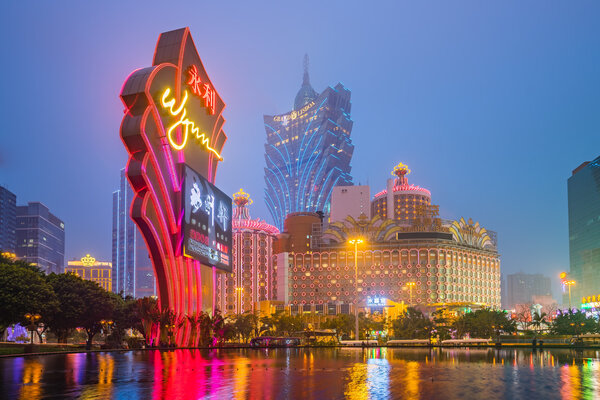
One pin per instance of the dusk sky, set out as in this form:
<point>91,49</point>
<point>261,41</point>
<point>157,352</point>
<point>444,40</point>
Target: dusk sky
<point>491,105</point>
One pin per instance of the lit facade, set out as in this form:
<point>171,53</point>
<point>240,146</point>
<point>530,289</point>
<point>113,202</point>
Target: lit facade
<point>400,201</point>
<point>89,269</point>
<point>584,231</point>
<point>308,151</point>
<point>415,258</point>
<point>40,238</point>
<point>253,279</point>
<point>8,220</point>
<point>132,273</point>
<point>442,270</point>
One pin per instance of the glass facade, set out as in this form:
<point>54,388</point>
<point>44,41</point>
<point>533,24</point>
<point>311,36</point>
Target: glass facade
<point>132,271</point>
<point>584,230</point>
<point>40,238</point>
<point>308,152</point>
<point>8,220</point>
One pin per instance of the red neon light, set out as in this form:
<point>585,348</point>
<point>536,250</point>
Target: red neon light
<point>203,90</point>
<point>152,173</point>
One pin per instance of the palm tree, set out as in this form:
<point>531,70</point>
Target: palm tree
<point>539,320</point>
<point>149,313</point>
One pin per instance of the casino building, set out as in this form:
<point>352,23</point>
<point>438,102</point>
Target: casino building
<point>253,278</point>
<point>308,151</point>
<point>89,269</point>
<point>415,258</point>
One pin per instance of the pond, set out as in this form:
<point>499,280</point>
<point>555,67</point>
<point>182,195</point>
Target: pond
<point>306,373</point>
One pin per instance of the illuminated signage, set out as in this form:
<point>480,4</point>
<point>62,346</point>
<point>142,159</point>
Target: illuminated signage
<point>173,118</point>
<point>189,127</point>
<point>203,90</point>
<point>207,221</point>
<point>294,114</point>
<point>88,261</point>
<point>376,302</point>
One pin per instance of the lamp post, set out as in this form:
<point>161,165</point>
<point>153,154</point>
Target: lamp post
<point>239,291</point>
<point>569,283</point>
<point>106,325</point>
<point>356,242</point>
<point>32,318</point>
<point>410,285</point>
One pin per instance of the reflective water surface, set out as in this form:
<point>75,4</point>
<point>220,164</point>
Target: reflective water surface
<point>376,373</point>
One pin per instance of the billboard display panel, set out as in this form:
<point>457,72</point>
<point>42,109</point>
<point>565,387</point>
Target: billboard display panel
<point>207,221</point>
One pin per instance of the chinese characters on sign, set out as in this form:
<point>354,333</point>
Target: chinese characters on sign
<point>202,90</point>
<point>207,221</point>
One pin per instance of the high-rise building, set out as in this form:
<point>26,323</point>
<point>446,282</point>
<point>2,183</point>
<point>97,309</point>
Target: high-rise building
<point>40,237</point>
<point>132,273</point>
<point>253,278</point>
<point>90,269</point>
<point>308,151</point>
<point>522,288</point>
<point>584,231</point>
<point>8,221</point>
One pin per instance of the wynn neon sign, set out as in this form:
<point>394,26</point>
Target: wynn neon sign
<point>188,126</point>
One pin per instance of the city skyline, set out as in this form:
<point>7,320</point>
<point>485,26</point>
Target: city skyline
<point>500,120</point>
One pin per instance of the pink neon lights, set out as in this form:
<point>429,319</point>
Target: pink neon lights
<point>254,224</point>
<point>406,188</point>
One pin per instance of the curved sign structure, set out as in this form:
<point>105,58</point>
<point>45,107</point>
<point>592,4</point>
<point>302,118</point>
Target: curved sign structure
<point>172,128</point>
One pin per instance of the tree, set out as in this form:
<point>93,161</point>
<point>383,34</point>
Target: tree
<point>443,320</point>
<point>412,325</point>
<point>23,290</point>
<point>539,321</point>
<point>83,304</point>
<point>342,324</point>
<point>149,319</point>
<point>484,323</point>
<point>573,322</point>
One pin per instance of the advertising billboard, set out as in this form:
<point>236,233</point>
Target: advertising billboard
<point>207,221</point>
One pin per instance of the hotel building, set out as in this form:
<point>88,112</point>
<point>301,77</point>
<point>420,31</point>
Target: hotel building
<point>308,151</point>
<point>253,278</point>
<point>89,269</point>
<point>416,258</point>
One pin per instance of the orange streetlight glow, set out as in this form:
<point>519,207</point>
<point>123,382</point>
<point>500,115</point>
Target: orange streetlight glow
<point>356,242</point>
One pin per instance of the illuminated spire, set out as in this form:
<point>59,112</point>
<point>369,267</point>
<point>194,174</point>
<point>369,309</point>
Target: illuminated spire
<point>242,200</point>
<point>401,170</point>
<point>306,79</point>
<point>306,94</point>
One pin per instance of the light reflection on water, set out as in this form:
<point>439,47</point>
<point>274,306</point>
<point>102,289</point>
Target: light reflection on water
<point>376,373</point>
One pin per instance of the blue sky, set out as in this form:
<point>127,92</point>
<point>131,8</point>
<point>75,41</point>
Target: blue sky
<point>492,105</point>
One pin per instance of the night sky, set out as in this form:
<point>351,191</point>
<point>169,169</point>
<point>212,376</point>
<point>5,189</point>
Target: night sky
<point>491,105</point>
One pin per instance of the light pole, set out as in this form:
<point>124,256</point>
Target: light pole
<point>569,284</point>
<point>106,325</point>
<point>356,242</point>
<point>32,318</point>
<point>410,288</point>
<point>239,291</point>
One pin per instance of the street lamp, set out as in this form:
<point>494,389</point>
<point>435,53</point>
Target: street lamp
<point>106,325</point>
<point>239,291</point>
<point>569,283</point>
<point>32,318</point>
<point>356,242</point>
<point>410,285</point>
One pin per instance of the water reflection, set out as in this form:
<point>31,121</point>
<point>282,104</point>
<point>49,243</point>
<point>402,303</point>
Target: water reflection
<point>376,373</point>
